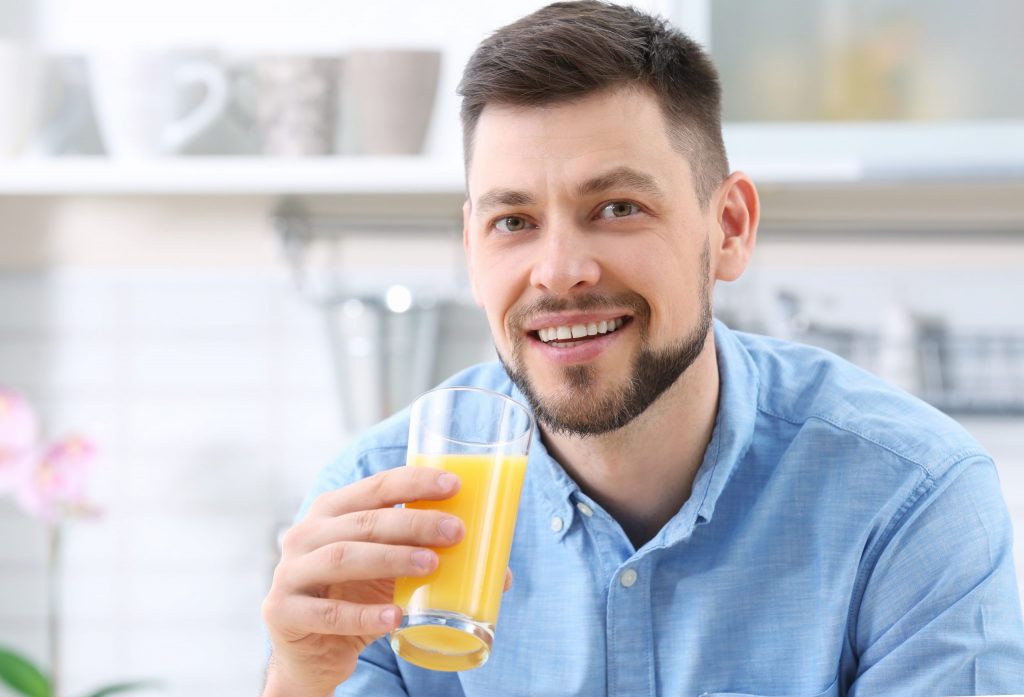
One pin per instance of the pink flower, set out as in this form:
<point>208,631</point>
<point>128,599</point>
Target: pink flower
<point>19,431</point>
<point>56,484</point>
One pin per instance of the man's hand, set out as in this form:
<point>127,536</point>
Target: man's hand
<point>332,590</point>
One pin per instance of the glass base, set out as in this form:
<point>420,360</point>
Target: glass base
<point>440,640</point>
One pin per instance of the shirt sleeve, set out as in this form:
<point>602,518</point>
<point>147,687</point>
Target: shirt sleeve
<point>376,674</point>
<point>940,612</point>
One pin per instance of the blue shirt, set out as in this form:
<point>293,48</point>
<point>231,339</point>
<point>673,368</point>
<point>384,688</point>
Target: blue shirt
<point>841,538</point>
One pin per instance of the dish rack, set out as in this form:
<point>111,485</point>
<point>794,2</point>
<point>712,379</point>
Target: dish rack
<point>958,372</point>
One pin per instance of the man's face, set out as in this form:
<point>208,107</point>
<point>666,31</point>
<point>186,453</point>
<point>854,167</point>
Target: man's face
<point>589,252</point>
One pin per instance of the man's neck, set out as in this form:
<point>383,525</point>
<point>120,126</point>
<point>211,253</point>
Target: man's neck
<point>643,473</point>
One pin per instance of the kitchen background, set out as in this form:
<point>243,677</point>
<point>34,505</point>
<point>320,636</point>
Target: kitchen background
<point>229,240</point>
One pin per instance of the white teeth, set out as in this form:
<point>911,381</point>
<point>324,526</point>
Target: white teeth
<point>578,331</point>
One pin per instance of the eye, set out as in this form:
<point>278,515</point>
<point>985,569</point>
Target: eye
<point>618,209</point>
<point>511,223</point>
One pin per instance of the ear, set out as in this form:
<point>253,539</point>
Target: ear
<point>467,213</point>
<point>737,211</point>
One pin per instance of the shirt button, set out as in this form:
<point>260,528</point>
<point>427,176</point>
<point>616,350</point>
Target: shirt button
<point>556,524</point>
<point>585,509</point>
<point>628,578</point>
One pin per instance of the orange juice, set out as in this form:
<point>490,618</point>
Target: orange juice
<point>470,575</point>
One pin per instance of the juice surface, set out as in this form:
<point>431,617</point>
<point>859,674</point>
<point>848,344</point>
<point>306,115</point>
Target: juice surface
<point>471,574</point>
<point>440,648</point>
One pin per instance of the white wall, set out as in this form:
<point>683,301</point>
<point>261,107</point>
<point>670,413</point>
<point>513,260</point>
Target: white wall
<point>210,396</point>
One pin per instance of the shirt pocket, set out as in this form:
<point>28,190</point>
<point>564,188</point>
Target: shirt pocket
<point>830,691</point>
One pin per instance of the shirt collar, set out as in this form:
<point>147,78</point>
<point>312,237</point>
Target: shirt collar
<point>557,487</point>
<point>730,439</point>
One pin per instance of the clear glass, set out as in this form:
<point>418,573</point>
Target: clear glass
<point>868,60</point>
<point>483,437</point>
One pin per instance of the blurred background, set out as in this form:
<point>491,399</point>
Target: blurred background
<point>230,240</point>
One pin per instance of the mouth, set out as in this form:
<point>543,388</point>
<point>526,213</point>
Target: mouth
<point>570,335</point>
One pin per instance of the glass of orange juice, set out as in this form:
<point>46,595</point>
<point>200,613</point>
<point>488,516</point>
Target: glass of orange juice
<point>483,437</point>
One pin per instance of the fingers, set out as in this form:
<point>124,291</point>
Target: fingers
<point>357,561</point>
<point>508,580</point>
<point>396,526</point>
<point>306,615</point>
<point>387,489</point>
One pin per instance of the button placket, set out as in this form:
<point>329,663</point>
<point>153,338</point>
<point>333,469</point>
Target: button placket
<point>630,632</point>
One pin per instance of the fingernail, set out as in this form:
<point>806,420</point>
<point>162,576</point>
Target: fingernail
<point>450,528</point>
<point>423,558</point>
<point>447,481</point>
<point>389,616</point>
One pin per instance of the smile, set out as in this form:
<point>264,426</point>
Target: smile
<point>571,335</point>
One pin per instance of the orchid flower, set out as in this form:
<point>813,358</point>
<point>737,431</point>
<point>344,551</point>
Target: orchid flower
<point>55,485</point>
<point>49,483</point>
<point>19,433</point>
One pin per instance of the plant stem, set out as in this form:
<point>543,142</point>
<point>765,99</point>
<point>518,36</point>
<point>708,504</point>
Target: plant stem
<point>53,605</point>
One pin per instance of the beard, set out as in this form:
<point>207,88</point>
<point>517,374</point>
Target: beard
<point>575,409</point>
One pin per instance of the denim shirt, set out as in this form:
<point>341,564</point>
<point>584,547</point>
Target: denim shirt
<point>841,538</point>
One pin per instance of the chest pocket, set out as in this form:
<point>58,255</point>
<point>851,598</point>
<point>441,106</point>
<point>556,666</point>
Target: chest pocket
<point>830,691</point>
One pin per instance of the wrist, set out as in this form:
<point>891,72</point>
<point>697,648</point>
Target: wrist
<point>278,684</point>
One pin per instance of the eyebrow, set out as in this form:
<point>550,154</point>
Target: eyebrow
<point>621,178</point>
<point>618,178</point>
<point>498,198</point>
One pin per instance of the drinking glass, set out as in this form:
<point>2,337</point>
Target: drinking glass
<point>483,437</point>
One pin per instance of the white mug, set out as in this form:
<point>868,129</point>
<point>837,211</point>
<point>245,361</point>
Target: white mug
<point>294,101</point>
<point>67,121</point>
<point>140,96</point>
<point>387,100</point>
<point>20,76</point>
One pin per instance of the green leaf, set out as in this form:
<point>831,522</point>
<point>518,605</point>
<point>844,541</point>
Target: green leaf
<point>22,675</point>
<point>123,687</point>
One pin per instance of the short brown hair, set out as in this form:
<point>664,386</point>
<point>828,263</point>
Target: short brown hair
<point>569,50</point>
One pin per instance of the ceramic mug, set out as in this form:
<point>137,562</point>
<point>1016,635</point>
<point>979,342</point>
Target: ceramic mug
<point>67,122</point>
<point>293,97</point>
<point>387,98</point>
<point>20,77</point>
<point>145,101</point>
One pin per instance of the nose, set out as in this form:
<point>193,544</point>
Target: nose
<point>564,264</point>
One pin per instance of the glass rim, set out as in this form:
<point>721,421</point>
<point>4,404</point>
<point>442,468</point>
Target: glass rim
<point>530,422</point>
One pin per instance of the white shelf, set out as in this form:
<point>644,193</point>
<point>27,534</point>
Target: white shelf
<point>791,157</point>
<point>230,176</point>
<point>218,176</point>
<point>882,152</point>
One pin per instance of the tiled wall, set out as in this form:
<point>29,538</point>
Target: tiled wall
<point>212,398</point>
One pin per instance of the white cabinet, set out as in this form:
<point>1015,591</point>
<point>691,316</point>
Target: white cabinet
<point>869,90</point>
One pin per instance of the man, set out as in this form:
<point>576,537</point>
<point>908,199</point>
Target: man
<point>705,511</point>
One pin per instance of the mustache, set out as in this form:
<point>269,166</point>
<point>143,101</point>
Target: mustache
<point>590,302</point>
